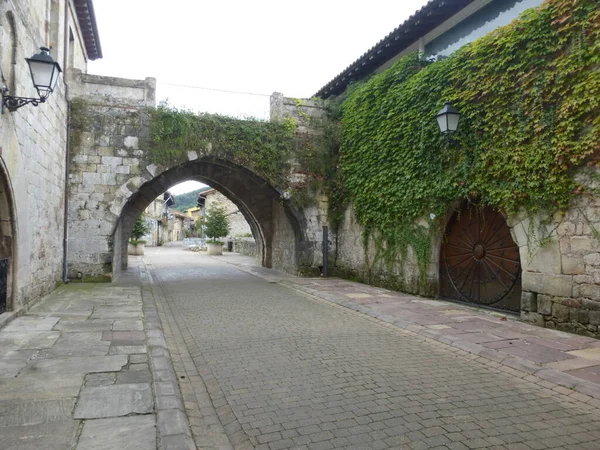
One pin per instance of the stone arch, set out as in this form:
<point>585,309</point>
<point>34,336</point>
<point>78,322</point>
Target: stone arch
<point>8,238</point>
<point>270,218</point>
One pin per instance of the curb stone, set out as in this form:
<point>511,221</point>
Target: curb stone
<point>172,428</point>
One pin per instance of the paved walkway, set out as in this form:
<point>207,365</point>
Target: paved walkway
<point>88,369</point>
<point>566,359</point>
<point>92,368</point>
<point>271,368</point>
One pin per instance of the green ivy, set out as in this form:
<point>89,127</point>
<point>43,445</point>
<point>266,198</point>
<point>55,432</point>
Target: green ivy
<point>529,95</point>
<point>263,147</point>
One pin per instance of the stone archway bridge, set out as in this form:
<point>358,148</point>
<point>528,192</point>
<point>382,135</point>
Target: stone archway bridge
<point>113,179</point>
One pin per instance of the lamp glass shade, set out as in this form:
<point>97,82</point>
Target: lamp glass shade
<point>44,72</point>
<point>448,118</point>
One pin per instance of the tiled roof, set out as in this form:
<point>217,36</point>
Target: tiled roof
<point>419,24</point>
<point>89,29</point>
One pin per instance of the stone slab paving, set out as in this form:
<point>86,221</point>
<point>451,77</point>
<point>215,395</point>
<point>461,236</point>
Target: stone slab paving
<point>75,372</point>
<point>567,359</point>
<point>283,369</point>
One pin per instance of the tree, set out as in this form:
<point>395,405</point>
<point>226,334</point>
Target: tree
<point>140,229</point>
<point>216,223</point>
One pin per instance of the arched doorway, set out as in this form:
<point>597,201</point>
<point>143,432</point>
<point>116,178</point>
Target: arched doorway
<point>479,260</point>
<point>7,239</point>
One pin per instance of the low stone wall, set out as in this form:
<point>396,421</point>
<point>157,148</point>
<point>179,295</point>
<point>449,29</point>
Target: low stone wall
<point>245,246</point>
<point>351,260</point>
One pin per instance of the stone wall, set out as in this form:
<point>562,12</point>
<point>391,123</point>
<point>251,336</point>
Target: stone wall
<point>354,261</point>
<point>33,147</point>
<point>245,246</point>
<point>113,179</point>
<point>560,263</point>
<point>561,278</point>
<point>105,164</point>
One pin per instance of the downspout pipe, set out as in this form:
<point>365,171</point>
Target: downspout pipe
<point>65,277</point>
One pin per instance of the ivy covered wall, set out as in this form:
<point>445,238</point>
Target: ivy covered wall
<point>529,98</point>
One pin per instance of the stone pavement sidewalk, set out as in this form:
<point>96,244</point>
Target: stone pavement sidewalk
<point>88,368</point>
<point>569,360</point>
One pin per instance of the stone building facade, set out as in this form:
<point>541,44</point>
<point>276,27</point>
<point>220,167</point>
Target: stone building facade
<point>238,226</point>
<point>34,142</point>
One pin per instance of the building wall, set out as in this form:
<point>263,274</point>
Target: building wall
<point>153,215</point>
<point>33,142</point>
<point>238,225</point>
<point>475,20</point>
<point>485,20</point>
<point>105,164</point>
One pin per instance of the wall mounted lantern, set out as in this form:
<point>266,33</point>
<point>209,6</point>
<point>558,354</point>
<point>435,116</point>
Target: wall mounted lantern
<point>44,75</point>
<point>448,118</point>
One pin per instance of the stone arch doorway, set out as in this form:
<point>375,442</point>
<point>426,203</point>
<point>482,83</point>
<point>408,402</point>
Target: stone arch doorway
<point>7,240</point>
<point>479,260</point>
<point>274,225</point>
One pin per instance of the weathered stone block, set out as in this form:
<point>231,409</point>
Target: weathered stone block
<point>570,302</point>
<point>115,400</point>
<point>106,151</point>
<point>131,142</point>
<point>580,315</point>
<point>559,285</point>
<point>112,161</point>
<point>134,432</point>
<point>591,291</point>
<point>572,266</point>
<point>103,141</point>
<point>545,259</point>
<point>544,304</point>
<point>583,279</point>
<point>92,178</point>
<point>592,259</point>
<point>533,317</point>
<point>529,301</point>
<point>580,244</point>
<point>560,312</point>
<point>594,318</point>
<point>566,228</point>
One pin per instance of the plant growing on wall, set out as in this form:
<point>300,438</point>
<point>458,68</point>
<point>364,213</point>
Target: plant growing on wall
<point>529,95</point>
<point>140,229</point>
<point>216,223</point>
<point>263,147</point>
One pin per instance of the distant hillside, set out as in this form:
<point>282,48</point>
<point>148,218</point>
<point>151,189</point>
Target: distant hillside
<point>188,200</point>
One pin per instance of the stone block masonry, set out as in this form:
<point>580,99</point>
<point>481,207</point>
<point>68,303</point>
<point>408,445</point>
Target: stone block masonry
<point>105,164</point>
<point>568,297</point>
<point>114,177</point>
<point>33,146</point>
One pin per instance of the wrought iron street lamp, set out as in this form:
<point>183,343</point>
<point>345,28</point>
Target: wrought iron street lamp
<point>44,75</point>
<point>448,118</point>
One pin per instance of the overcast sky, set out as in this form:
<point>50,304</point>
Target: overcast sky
<point>257,47</point>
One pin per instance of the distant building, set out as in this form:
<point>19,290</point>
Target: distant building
<point>238,226</point>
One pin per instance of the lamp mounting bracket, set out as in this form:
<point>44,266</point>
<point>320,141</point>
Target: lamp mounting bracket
<point>13,103</point>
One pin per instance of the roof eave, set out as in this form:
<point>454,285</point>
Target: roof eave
<point>430,16</point>
<point>89,28</point>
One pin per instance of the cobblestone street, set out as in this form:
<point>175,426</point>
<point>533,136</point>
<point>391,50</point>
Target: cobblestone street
<point>264,366</point>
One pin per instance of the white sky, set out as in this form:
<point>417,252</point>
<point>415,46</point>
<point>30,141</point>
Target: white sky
<point>260,46</point>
